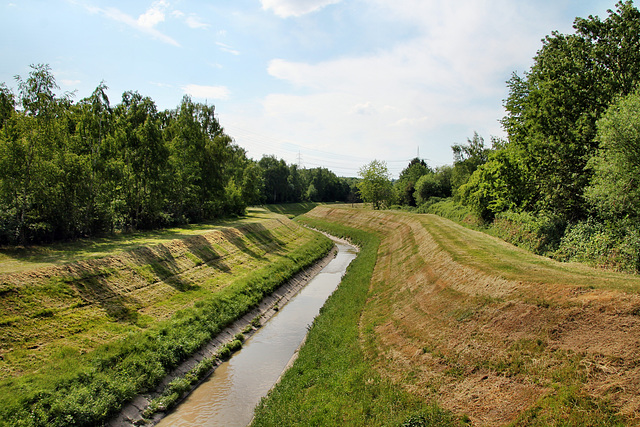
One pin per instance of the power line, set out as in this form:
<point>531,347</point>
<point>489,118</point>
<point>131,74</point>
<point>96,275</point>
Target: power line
<point>339,163</point>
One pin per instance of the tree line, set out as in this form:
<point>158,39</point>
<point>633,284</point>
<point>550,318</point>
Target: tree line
<point>74,169</point>
<point>568,172</point>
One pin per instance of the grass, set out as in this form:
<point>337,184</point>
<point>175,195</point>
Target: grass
<point>292,210</point>
<point>494,256</point>
<point>21,258</point>
<point>451,315</point>
<point>178,387</point>
<point>72,357</point>
<point>332,382</point>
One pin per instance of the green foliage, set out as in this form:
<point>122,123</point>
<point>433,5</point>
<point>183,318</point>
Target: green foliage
<point>430,185</point>
<point>615,246</point>
<point>72,170</point>
<point>448,208</point>
<point>375,186</point>
<point>275,174</point>
<point>495,186</point>
<point>615,190</point>
<point>466,159</point>
<point>573,147</point>
<point>540,234</point>
<point>552,110</point>
<point>287,184</point>
<point>405,186</point>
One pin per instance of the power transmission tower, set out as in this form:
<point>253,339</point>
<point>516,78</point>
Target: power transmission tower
<point>299,158</point>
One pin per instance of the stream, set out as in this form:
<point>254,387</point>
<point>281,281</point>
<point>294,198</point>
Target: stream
<point>229,395</point>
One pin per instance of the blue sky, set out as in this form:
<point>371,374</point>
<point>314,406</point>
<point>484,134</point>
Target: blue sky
<point>332,83</point>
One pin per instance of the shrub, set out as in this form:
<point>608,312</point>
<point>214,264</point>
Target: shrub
<point>615,246</point>
<point>540,234</point>
<point>449,209</point>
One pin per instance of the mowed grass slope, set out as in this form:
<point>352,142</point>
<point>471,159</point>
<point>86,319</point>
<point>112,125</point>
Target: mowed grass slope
<point>491,332</point>
<point>80,339</point>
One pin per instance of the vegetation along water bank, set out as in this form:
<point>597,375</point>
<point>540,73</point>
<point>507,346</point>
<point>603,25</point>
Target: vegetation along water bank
<point>81,339</point>
<point>436,323</point>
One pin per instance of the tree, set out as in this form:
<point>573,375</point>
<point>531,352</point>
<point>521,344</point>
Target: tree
<point>276,179</point>
<point>466,159</point>
<point>406,185</point>
<point>615,188</point>
<point>31,145</point>
<point>375,186</point>
<point>495,186</point>
<point>552,111</point>
<point>252,183</point>
<point>7,104</point>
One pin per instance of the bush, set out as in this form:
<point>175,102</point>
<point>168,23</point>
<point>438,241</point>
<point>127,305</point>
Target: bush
<point>449,209</point>
<point>540,234</point>
<point>615,246</point>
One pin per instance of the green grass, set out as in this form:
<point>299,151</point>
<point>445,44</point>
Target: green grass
<point>494,256</point>
<point>21,258</point>
<point>79,389</point>
<point>332,382</point>
<point>292,209</point>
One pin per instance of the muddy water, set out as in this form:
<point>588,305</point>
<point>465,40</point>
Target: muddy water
<point>228,397</point>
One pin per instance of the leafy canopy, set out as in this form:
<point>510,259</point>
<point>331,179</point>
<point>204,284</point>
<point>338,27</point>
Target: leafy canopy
<point>375,186</point>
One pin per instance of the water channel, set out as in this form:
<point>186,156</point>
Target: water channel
<point>228,397</point>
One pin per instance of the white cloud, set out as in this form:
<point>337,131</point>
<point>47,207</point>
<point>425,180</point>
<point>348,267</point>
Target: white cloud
<point>145,23</point>
<point>227,48</point>
<point>206,92</point>
<point>365,108</point>
<point>153,16</point>
<point>158,84</point>
<point>192,20</point>
<point>287,8</point>
<point>195,22</point>
<point>433,89</point>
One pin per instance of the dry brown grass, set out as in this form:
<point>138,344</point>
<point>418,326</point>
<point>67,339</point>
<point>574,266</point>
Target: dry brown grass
<point>494,332</point>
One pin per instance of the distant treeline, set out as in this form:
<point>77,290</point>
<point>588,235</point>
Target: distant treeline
<point>73,169</point>
<point>566,182</point>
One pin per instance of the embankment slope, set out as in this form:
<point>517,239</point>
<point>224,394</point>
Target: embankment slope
<point>491,331</point>
<point>68,329</point>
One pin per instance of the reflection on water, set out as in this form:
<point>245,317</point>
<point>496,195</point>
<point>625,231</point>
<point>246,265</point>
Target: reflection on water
<point>228,397</point>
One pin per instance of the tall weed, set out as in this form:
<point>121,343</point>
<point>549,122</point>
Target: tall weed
<point>448,208</point>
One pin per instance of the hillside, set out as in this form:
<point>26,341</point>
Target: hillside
<point>79,338</point>
<point>488,331</point>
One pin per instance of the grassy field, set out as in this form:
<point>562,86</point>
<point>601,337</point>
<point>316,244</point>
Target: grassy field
<point>79,339</point>
<point>455,319</point>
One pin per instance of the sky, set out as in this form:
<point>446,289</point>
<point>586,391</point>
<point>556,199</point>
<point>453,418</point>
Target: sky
<point>320,83</point>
